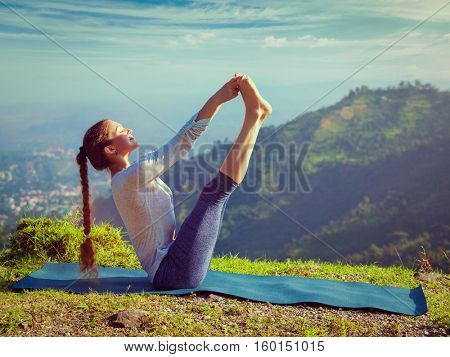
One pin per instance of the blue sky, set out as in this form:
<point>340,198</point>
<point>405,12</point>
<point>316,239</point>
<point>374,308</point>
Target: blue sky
<point>171,56</point>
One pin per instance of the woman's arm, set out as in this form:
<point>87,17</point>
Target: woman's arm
<point>153,164</point>
<point>210,108</point>
<point>157,162</point>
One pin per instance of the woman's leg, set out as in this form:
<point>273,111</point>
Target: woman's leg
<point>257,109</point>
<point>187,262</point>
<point>189,257</point>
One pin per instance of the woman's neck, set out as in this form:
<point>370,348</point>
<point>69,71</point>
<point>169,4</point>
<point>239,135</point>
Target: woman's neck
<point>120,165</point>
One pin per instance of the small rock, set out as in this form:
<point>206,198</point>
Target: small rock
<point>214,297</point>
<point>127,318</point>
<point>431,276</point>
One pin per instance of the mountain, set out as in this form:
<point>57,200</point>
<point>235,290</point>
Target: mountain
<point>373,186</point>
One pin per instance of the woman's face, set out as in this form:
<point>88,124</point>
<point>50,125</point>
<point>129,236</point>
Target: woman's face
<point>122,140</point>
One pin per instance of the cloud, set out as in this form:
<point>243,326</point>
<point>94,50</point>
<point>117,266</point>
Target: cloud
<point>272,41</point>
<point>312,41</point>
<point>415,10</point>
<point>191,40</point>
<point>112,34</point>
<point>171,43</point>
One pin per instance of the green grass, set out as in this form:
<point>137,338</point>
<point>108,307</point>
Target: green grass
<point>58,313</point>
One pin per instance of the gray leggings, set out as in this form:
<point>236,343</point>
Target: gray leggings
<point>186,264</point>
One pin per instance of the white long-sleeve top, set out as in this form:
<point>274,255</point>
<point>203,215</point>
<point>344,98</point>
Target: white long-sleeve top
<point>145,202</point>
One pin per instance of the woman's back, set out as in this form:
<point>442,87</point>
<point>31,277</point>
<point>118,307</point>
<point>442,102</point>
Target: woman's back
<point>145,202</point>
<point>149,217</point>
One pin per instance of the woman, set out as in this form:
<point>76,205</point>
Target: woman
<point>172,260</point>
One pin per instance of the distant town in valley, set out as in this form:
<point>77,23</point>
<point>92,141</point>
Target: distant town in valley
<point>41,183</point>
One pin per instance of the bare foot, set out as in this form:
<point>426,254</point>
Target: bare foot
<point>254,102</point>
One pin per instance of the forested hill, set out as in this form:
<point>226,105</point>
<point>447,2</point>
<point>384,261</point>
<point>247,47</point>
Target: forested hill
<point>378,170</point>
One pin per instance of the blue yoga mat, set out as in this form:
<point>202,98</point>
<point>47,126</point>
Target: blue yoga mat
<point>273,289</point>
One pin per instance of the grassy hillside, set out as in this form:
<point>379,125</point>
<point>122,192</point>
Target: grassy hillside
<point>54,313</point>
<point>378,168</point>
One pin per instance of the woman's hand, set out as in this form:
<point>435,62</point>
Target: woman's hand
<point>229,90</point>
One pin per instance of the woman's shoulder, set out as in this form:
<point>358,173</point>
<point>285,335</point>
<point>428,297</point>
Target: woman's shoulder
<point>125,179</point>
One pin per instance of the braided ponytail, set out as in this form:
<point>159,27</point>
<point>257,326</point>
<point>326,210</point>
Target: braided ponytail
<point>86,256</point>
<point>94,141</point>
